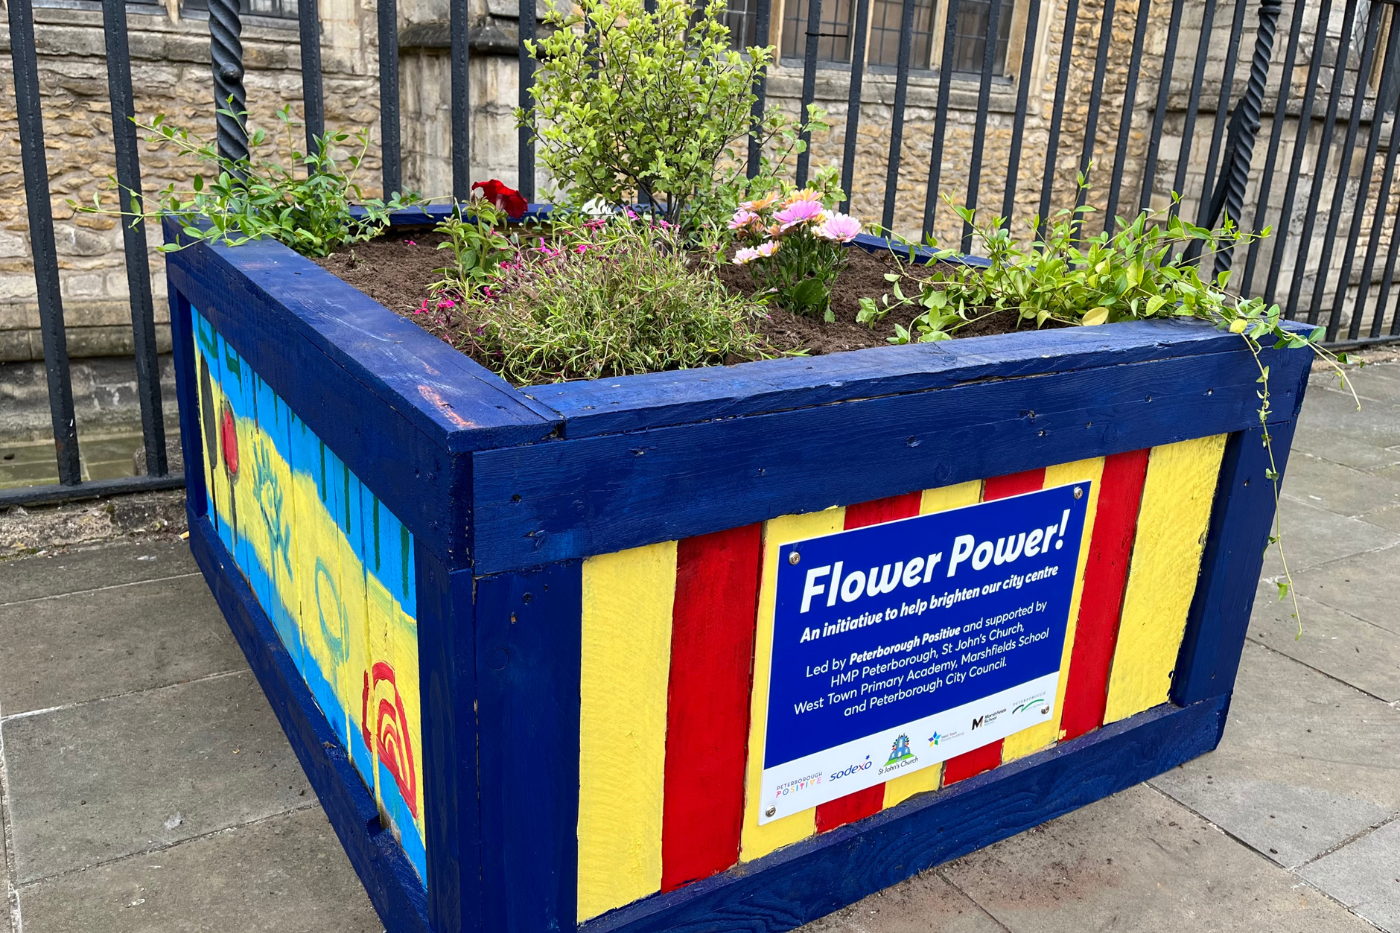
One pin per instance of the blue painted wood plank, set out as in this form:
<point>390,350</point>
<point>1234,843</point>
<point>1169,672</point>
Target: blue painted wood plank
<point>528,632</point>
<point>810,879</point>
<point>541,503</point>
<point>631,403</point>
<point>187,393</point>
<point>377,858</point>
<point>1240,523</point>
<point>447,678</point>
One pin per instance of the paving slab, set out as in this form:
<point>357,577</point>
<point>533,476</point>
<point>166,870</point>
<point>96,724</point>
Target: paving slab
<point>1363,655</point>
<point>1329,437</point>
<point>1331,410</point>
<point>106,642</point>
<point>1338,488</point>
<point>1138,862</point>
<point>1365,876</point>
<point>917,905</point>
<point>116,777</point>
<point>85,568</point>
<point>1305,762</point>
<point>286,874</point>
<point>1313,536</point>
<point>1383,518</point>
<point>1365,585</point>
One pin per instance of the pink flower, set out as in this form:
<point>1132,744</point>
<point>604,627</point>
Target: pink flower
<point>800,212</point>
<point>581,248</point>
<point>767,248</point>
<point>839,228</point>
<point>446,303</point>
<point>410,243</point>
<point>745,256</point>
<point>742,219</point>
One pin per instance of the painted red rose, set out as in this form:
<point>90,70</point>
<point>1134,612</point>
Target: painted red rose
<point>507,199</point>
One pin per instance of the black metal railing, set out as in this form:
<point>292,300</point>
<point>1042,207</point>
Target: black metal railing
<point>1328,125</point>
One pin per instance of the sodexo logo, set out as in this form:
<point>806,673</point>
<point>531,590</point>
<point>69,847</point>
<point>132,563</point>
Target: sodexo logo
<point>852,769</point>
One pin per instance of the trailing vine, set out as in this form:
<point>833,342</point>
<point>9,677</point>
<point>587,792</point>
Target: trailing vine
<point>1147,268</point>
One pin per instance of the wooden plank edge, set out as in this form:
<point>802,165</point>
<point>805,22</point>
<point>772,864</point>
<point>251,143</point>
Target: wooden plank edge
<point>631,403</point>
<point>810,879</point>
<point>378,859</point>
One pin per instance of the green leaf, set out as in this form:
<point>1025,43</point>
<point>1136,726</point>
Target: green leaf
<point>1095,316</point>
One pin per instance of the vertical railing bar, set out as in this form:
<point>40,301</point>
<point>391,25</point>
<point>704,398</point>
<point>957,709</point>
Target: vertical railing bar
<point>1091,121</point>
<point>1373,142</point>
<point>526,156</point>
<point>1159,118</point>
<point>226,59</point>
<point>1382,194</point>
<point>1018,127</point>
<point>461,102</point>
<point>940,122</point>
<point>1244,130</point>
<point>36,192</point>
<point>1057,115</point>
<point>762,21</point>
<point>1275,140</point>
<point>984,102</point>
<point>1222,107</point>
<point>1339,191</point>
<point>138,269</point>
<point>312,92</point>
<point>848,155</point>
<point>809,84</point>
<point>1125,121</point>
<point>1388,277</point>
<point>901,94</point>
<point>1295,168</point>
<point>390,148</point>
<point>1188,130</point>
<point>1324,150</point>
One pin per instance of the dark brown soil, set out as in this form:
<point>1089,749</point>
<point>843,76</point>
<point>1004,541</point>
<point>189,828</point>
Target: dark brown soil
<point>397,269</point>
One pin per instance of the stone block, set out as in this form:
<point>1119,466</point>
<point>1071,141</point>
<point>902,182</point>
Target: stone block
<point>1364,875</point>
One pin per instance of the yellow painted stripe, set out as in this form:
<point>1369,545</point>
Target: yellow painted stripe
<point>1045,734</point>
<point>757,841</point>
<point>941,499</point>
<point>626,664</point>
<point>1172,524</point>
<point>205,430</point>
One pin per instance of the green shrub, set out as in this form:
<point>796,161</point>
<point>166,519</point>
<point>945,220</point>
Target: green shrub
<point>605,298</point>
<point>632,105</point>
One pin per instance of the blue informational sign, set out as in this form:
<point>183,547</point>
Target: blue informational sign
<point>900,645</point>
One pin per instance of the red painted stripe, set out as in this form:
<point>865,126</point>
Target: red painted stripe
<point>970,763</point>
<point>870,801</point>
<point>1101,602</point>
<point>988,757</point>
<point>707,713</point>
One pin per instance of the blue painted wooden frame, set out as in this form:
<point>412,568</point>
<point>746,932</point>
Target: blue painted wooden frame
<point>506,490</point>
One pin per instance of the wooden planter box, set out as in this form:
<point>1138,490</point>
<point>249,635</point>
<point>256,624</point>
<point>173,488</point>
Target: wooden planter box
<point>535,649</point>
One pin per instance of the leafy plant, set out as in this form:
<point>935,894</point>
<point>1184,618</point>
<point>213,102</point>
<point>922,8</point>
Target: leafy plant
<point>478,245</point>
<point>1139,270</point>
<point>304,201</point>
<point>604,297</point>
<point>795,248</point>
<point>632,105</point>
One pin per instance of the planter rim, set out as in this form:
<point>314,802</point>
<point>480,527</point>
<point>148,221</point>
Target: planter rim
<point>467,407</point>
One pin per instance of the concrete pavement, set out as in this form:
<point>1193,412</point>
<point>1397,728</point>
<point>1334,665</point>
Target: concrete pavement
<point>145,785</point>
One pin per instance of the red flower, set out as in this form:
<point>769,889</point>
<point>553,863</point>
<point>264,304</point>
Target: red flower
<point>507,199</point>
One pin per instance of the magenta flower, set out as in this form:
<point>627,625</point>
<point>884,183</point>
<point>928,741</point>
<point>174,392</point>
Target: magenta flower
<point>410,243</point>
<point>839,228</point>
<point>800,212</point>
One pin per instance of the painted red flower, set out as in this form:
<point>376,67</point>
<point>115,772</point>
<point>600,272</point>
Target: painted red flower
<point>228,435</point>
<point>507,199</point>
